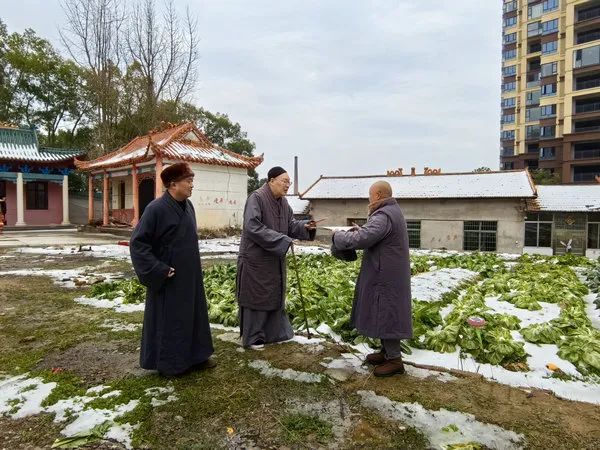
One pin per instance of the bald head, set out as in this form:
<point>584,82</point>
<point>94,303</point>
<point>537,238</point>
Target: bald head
<point>380,191</point>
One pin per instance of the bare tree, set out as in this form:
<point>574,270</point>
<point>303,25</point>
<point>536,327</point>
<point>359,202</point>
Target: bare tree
<point>93,38</point>
<point>166,51</point>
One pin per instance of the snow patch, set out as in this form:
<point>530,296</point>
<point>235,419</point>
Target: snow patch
<point>117,325</point>
<point>115,304</point>
<point>66,277</point>
<point>430,286</point>
<point>548,312</point>
<point>265,368</point>
<point>430,423</point>
<point>21,397</point>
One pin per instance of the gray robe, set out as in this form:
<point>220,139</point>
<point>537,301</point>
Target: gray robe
<point>382,304</point>
<point>176,334</point>
<point>269,227</point>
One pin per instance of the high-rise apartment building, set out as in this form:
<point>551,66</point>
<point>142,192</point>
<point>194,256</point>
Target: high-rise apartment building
<point>551,87</point>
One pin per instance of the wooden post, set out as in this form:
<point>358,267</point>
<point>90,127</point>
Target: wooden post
<point>90,198</point>
<point>157,181</point>
<point>136,197</point>
<point>105,200</point>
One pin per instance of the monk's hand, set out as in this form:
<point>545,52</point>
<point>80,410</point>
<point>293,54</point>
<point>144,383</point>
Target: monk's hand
<point>171,273</point>
<point>311,225</point>
<point>355,227</point>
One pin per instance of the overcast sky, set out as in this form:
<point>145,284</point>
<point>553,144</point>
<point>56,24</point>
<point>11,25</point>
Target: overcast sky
<point>351,87</point>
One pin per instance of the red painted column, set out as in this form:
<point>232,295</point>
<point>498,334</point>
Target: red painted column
<point>90,198</point>
<point>105,200</point>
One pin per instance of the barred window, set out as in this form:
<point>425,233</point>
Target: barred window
<point>480,235</point>
<point>350,221</point>
<point>414,233</point>
<point>538,230</point>
<point>36,195</point>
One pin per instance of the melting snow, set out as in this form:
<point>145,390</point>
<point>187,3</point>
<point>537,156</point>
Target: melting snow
<point>265,368</point>
<point>115,304</point>
<point>65,277</point>
<point>430,423</point>
<point>548,312</point>
<point>21,397</point>
<point>430,286</point>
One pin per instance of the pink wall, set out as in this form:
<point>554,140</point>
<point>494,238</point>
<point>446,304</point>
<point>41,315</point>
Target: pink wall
<point>51,216</point>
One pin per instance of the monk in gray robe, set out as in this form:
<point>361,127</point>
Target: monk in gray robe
<point>382,304</point>
<point>269,227</point>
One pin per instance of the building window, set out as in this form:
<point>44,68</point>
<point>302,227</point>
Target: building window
<point>538,230</point>
<point>480,236</point>
<point>548,89</point>
<point>534,29</point>
<point>593,240</point>
<point>532,131</point>
<point>508,118</point>
<point>510,38</point>
<point>37,194</point>
<point>507,165</point>
<point>532,114</point>
<point>509,54</point>
<point>358,221</point>
<point>548,111</point>
<point>510,6</point>
<point>509,71</point>
<point>549,47</point>
<point>550,27</point>
<point>549,69</point>
<point>547,153</point>
<point>414,233</point>
<point>587,56</point>
<point>507,151</point>
<point>547,132</point>
<point>507,135</point>
<point>509,102</point>
<point>549,5</point>
<point>507,87</point>
<point>533,98</point>
<point>510,22</point>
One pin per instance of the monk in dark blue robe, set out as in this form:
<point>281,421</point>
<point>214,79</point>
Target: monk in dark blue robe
<point>176,336</point>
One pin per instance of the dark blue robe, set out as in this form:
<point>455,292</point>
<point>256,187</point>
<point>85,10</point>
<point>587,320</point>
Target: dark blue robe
<point>176,333</point>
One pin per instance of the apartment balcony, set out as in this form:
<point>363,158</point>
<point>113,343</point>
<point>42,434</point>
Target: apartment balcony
<point>585,174</point>
<point>533,79</point>
<point>586,154</point>
<point>587,108</point>
<point>587,84</point>
<point>588,36</point>
<point>507,152</point>
<point>588,14</point>
<point>587,127</point>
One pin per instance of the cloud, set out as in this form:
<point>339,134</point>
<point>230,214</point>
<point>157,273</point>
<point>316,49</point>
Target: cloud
<point>351,87</point>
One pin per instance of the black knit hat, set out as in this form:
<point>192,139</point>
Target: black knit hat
<point>275,172</point>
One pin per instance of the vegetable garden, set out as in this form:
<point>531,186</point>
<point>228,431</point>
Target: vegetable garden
<point>461,319</point>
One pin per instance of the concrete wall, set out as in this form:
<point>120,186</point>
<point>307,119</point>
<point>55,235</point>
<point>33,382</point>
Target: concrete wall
<point>441,220</point>
<point>219,195</point>
<point>78,209</point>
<point>548,251</point>
<point>592,253</point>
